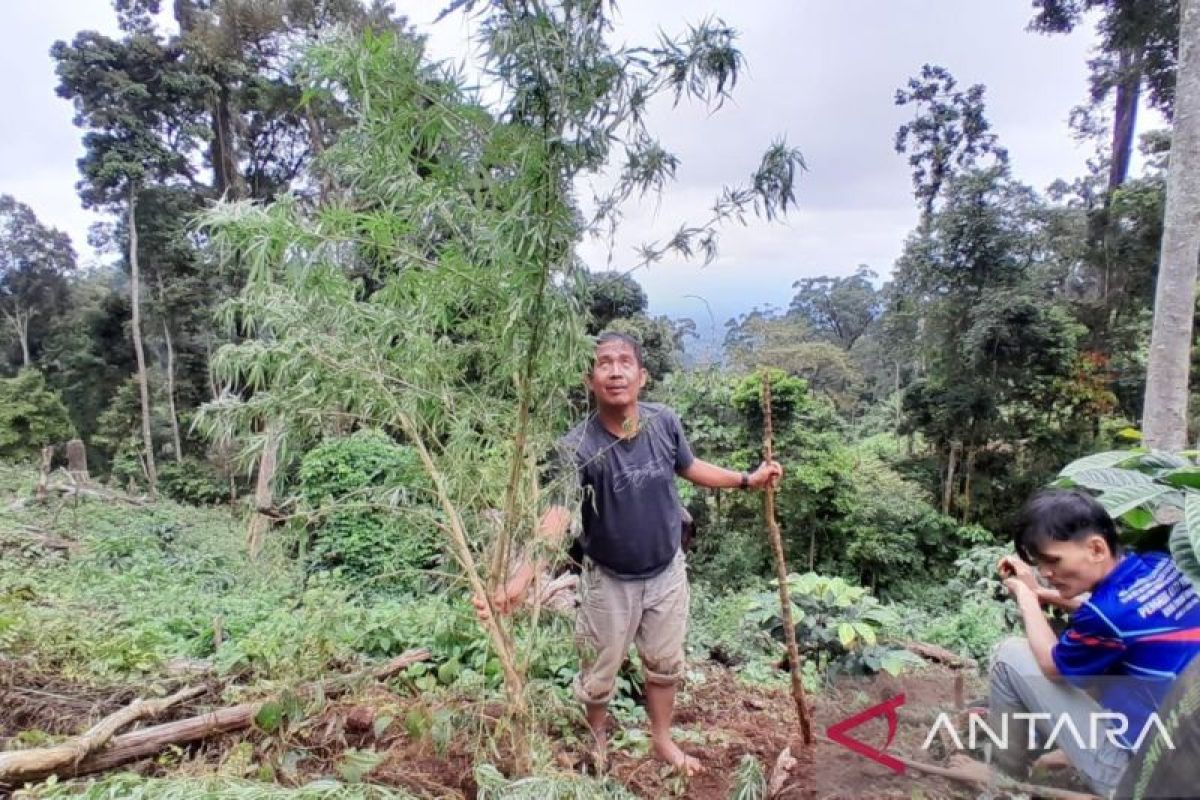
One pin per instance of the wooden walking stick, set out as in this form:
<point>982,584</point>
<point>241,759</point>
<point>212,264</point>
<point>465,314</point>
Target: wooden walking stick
<point>785,598</point>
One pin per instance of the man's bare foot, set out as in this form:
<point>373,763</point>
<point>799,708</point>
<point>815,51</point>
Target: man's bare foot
<point>1054,760</point>
<point>666,750</point>
<point>599,751</point>
<point>968,769</point>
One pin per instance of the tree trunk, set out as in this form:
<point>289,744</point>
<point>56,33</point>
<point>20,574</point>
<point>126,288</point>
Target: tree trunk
<point>226,179</point>
<point>968,471</point>
<point>23,335</point>
<point>178,440</point>
<point>39,493</point>
<point>20,324</point>
<point>1165,417</point>
<point>1129,91</point>
<point>948,486</point>
<point>264,499</point>
<point>135,289</point>
<point>317,144</point>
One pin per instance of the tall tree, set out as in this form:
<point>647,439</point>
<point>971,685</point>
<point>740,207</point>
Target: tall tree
<point>264,131</point>
<point>34,264</point>
<point>948,132</point>
<point>1138,43</point>
<point>141,108</point>
<point>1166,407</point>
<point>841,308</point>
<point>787,341</point>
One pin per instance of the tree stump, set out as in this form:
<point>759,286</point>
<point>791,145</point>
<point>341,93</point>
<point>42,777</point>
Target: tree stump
<point>77,461</point>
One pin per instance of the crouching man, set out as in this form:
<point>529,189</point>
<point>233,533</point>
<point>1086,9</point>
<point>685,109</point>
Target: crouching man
<point>634,587</point>
<point>1134,626</point>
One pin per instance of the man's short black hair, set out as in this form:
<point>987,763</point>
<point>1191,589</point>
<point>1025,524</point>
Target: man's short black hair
<point>613,336</point>
<point>1062,515</point>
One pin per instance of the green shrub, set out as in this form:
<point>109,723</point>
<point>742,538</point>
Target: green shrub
<point>971,611</point>
<point>371,517</point>
<point>31,416</point>
<point>192,481</point>
<point>838,624</point>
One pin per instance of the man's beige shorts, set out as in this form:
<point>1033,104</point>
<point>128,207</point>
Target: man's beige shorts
<point>613,614</point>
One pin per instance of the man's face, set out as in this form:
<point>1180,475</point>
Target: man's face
<point>1073,567</point>
<point>616,377</point>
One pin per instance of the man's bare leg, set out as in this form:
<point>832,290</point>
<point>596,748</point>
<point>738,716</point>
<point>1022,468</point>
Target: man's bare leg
<point>597,718</point>
<point>660,703</point>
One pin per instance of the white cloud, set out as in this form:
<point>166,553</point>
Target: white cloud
<point>823,74</point>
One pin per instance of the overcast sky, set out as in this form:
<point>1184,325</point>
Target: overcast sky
<point>822,74</point>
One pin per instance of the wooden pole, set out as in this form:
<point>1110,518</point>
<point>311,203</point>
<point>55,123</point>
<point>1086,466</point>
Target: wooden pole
<point>785,598</point>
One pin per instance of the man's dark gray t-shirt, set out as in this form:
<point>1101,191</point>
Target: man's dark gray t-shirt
<point>631,511</point>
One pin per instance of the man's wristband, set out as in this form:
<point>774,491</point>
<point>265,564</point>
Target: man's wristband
<point>745,484</point>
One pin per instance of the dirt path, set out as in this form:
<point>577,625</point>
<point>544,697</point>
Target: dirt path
<point>731,719</point>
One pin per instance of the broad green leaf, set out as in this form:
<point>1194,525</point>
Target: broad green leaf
<point>1191,516</point>
<point>1161,459</point>
<point>1120,500</point>
<point>1188,477</point>
<point>894,661</point>
<point>866,632</point>
<point>1183,553</point>
<point>846,633</point>
<point>1104,479</point>
<point>1139,518</point>
<point>1104,460</point>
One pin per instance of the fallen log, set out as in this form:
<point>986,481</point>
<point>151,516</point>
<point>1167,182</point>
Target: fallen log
<point>68,490</point>
<point>933,652</point>
<point>148,741</point>
<point>24,765</point>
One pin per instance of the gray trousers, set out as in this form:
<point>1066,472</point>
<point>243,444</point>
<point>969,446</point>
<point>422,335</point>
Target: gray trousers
<point>613,614</point>
<point>1018,686</point>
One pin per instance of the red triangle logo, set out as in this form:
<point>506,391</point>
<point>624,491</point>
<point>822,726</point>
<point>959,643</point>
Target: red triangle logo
<point>837,732</point>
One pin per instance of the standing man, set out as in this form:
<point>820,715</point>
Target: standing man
<point>634,583</point>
